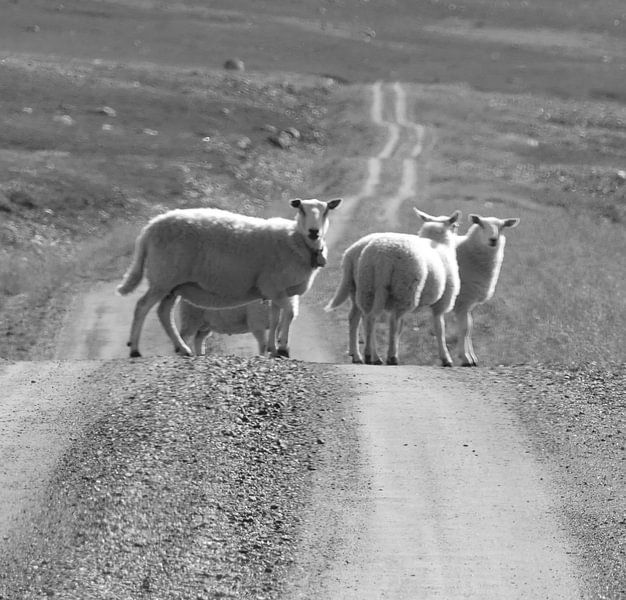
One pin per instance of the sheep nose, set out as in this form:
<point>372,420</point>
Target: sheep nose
<point>493,241</point>
<point>314,234</point>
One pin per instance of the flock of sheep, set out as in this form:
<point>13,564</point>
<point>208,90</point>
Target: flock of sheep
<point>238,274</point>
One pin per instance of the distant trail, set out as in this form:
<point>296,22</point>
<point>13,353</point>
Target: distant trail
<point>402,141</point>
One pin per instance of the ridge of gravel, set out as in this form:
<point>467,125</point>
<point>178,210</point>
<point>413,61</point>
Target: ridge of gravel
<point>189,481</point>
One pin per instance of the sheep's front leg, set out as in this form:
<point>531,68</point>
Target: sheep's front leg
<point>371,355</point>
<point>440,333</point>
<point>465,348</point>
<point>274,317</point>
<point>354,320</point>
<point>289,311</point>
<point>167,320</point>
<point>261,337</point>
<point>395,329</point>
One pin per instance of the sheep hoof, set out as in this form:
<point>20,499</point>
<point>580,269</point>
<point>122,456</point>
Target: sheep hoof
<point>135,354</point>
<point>446,363</point>
<point>392,360</point>
<point>369,361</point>
<point>469,364</point>
<point>357,360</point>
<point>282,353</point>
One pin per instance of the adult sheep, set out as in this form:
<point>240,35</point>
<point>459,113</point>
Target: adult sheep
<point>479,254</point>
<point>197,323</point>
<point>218,259</point>
<point>398,273</point>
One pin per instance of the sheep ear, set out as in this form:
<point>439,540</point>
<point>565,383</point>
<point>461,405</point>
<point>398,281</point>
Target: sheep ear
<point>424,216</point>
<point>454,217</point>
<point>334,203</point>
<point>475,219</point>
<point>511,222</point>
<point>296,202</point>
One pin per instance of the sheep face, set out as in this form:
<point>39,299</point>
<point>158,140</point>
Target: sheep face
<point>491,228</point>
<point>439,229</point>
<point>312,223</point>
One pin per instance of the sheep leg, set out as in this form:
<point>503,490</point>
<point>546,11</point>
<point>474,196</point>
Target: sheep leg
<point>143,306</point>
<point>199,340</point>
<point>261,338</point>
<point>167,321</point>
<point>395,329</point>
<point>289,307</point>
<point>440,334</point>
<point>371,355</point>
<point>191,327</point>
<point>465,346</point>
<point>274,317</point>
<point>354,319</point>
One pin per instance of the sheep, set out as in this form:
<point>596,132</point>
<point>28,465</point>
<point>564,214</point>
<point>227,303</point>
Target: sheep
<point>479,255</point>
<point>218,259</point>
<point>347,288</point>
<point>197,323</point>
<point>399,273</point>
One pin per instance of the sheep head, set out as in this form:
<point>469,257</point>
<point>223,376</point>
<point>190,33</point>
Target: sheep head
<point>490,228</point>
<point>439,229</point>
<point>312,222</point>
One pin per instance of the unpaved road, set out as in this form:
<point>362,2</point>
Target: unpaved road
<point>457,506</point>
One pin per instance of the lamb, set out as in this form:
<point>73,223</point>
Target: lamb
<point>479,254</point>
<point>218,259</point>
<point>196,323</point>
<point>399,273</point>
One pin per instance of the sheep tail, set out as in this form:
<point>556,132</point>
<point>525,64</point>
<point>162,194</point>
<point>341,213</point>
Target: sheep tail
<point>133,276</point>
<point>345,287</point>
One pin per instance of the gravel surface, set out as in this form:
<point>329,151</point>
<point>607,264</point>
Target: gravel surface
<point>576,419</point>
<point>189,482</point>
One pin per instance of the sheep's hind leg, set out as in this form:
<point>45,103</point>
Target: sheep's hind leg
<point>440,334</point>
<point>371,355</point>
<point>167,321</point>
<point>354,319</point>
<point>143,306</point>
<point>199,341</point>
<point>191,323</point>
<point>395,329</point>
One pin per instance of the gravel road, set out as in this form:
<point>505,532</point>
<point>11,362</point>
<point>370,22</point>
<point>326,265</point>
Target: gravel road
<point>238,477</point>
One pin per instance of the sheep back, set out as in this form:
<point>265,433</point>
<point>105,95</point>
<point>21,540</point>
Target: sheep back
<point>399,272</point>
<point>241,257</point>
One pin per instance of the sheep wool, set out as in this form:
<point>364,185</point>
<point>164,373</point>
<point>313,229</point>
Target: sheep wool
<point>479,253</point>
<point>219,259</point>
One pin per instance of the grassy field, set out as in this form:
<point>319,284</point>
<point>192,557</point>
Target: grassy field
<point>524,103</point>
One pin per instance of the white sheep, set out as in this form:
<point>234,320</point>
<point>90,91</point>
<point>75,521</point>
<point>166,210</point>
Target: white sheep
<point>218,259</point>
<point>398,273</point>
<point>347,289</point>
<point>197,323</point>
<point>479,255</point>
